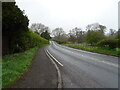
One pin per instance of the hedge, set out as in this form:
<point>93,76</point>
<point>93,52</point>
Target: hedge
<point>25,40</point>
<point>111,43</point>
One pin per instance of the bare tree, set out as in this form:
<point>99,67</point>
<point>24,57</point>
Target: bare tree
<point>76,35</point>
<point>96,26</point>
<point>39,28</point>
<point>72,36</point>
<point>112,32</point>
<point>59,35</point>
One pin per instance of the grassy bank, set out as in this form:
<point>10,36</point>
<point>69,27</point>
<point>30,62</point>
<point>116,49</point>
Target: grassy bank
<point>104,50</point>
<point>14,65</point>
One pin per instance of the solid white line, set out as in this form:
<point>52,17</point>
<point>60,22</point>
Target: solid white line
<point>58,71</point>
<point>54,58</point>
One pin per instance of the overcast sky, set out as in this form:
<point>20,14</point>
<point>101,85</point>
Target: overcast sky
<point>71,13</point>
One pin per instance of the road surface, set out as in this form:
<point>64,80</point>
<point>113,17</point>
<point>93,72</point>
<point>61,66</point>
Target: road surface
<point>40,74</point>
<point>83,69</point>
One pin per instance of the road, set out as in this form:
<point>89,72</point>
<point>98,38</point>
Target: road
<point>83,69</point>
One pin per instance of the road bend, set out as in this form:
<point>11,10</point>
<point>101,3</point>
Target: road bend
<point>83,69</point>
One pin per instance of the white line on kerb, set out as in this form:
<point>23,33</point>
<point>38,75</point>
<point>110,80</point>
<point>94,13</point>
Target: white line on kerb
<point>54,58</point>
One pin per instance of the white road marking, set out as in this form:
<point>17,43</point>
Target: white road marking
<point>58,71</point>
<point>55,58</point>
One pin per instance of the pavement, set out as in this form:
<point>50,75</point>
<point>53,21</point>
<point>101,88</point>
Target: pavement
<point>41,74</point>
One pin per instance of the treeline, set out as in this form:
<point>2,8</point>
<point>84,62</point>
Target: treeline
<point>94,35</point>
<point>16,36</point>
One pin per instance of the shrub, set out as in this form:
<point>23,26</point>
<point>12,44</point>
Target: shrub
<point>111,43</point>
<point>25,40</point>
<point>92,36</point>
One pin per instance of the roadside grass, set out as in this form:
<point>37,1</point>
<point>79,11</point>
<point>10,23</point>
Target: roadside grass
<point>104,50</point>
<point>14,65</point>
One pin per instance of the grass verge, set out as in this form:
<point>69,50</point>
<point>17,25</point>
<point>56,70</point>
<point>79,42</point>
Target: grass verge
<point>14,65</point>
<point>104,50</point>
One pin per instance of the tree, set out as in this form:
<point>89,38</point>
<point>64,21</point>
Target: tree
<point>93,37</point>
<point>112,32</point>
<point>95,33</point>
<point>46,35</point>
<point>13,23</point>
<point>58,32</point>
<point>96,26</point>
<point>59,35</point>
<point>102,28</point>
<point>39,28</point>
<point>72,37</point>
<point>76,35</point>
<point>13,19</point>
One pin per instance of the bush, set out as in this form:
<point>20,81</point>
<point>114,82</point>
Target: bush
<point>111,43</point>
<point>26,40</point>
<point>92,36</point>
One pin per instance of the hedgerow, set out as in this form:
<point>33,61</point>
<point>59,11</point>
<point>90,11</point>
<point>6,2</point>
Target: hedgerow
<point>25,41</point>
<point>111,43</point>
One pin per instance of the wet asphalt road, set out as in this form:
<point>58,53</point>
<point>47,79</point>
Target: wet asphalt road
<point>83,69</point>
